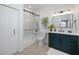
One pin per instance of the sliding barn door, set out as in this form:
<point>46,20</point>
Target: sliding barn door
<point>14,30</point>
<point>8,30</point>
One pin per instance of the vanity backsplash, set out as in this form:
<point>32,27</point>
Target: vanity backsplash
<point>66,30</point>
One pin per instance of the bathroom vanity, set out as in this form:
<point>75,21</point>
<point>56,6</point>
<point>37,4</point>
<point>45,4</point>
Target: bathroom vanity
<point>66,42</point>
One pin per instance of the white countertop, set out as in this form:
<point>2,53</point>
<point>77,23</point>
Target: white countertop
<point>64,33</point>
<point>47,31</point>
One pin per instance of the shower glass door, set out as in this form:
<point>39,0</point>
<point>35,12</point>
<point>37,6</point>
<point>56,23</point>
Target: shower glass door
<point>30,28</point>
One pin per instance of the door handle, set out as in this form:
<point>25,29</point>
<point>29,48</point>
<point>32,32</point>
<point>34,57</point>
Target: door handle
<point>14,32</point>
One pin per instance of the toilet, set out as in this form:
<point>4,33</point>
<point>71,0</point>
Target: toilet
<point>41,38</point>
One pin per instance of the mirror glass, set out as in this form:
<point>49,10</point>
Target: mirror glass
<point>63,21</point>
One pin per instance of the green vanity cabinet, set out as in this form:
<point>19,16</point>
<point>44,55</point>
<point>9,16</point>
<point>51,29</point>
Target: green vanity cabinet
<point>50,40</point>
<point>70,44</point>
<point>64,42</point>
<point>55,41</point>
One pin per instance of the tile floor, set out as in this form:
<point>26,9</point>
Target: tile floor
<point>35,49</point>
<point>53,51</point>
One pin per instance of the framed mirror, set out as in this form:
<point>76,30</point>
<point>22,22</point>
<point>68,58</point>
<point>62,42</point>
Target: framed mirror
<point>63,21</point>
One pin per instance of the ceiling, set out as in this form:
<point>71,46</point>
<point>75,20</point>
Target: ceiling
<point>35,7</point>
<point>51,7</point>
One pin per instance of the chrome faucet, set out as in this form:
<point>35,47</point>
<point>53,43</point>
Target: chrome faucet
<point>61,30</point>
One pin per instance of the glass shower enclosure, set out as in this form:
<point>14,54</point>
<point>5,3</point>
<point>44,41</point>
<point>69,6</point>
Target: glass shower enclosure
<point>30,27</point>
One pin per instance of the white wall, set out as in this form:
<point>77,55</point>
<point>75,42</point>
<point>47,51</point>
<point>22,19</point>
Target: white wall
<point>50,9</point>
<point>77,17</point>
<point>21,28</point>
